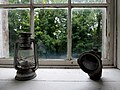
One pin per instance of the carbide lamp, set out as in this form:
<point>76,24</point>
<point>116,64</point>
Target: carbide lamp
<point>25,57</point>
<point>91,63</point>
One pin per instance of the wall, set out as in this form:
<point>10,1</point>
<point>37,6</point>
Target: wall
<point>118,34</point>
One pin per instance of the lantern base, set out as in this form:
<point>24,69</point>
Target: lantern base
<point>25,74</point>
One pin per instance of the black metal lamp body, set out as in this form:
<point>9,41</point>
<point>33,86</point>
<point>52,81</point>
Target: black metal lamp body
<point>91,63</point>
<point>25,58</point>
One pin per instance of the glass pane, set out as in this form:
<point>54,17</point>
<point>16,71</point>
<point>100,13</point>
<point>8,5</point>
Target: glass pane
<point>87,27</point>
<point>51,32</point>
<point>88,1</point>
<point>50,1</point>
<point>18,21</point>
<point>14,1</point>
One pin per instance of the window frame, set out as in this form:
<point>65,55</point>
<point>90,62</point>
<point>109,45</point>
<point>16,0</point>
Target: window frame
<point>69,61</point>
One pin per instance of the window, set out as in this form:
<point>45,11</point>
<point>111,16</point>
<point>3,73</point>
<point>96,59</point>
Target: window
<point>63,28</point>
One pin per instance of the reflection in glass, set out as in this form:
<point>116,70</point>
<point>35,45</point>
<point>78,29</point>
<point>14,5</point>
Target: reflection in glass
<point>90,62</point>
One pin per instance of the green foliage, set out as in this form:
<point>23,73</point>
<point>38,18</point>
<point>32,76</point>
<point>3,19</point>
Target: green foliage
<point>51,30</point>
<point>18,22</point>
<point>18,1</point>
<point>86,26</point>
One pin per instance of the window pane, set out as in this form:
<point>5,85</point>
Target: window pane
<point>51,32</point>
<point>87,26</point>
<point>14,1</point>
<point>88,1</point>
<point>50,1</point>
<point>18,21</point>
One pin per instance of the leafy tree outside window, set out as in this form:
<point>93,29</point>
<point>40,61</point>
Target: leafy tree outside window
<point>51,28</point>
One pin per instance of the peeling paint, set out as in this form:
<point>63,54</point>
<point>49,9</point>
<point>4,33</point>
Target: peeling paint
<point>4,34</point>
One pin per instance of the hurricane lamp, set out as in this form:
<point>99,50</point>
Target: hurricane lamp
<point>25,57</point>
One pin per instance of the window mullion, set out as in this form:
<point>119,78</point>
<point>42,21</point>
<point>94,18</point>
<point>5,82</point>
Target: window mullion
<point>50,5</point>
<point>14,6</point>
<point>69,39</point>
<point>89,5</point>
